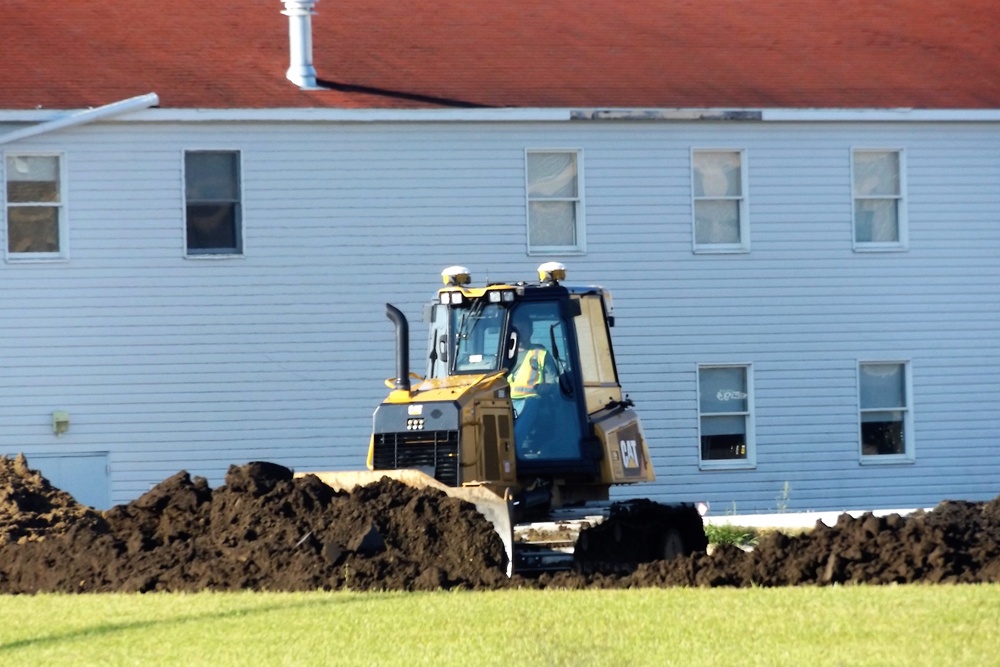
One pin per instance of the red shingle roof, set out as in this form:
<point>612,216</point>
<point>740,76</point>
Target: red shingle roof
<point>510,53</point>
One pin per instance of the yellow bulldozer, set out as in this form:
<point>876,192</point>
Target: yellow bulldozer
<point>520,412</point>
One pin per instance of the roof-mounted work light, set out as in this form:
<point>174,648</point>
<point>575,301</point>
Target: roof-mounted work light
<point>501,296</point>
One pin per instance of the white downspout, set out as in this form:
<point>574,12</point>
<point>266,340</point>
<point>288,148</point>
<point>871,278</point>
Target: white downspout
<point>85,116</point>
<point>300,69</point>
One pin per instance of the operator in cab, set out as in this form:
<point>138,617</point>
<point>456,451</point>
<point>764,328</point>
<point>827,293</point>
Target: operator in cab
<point>532,369</point>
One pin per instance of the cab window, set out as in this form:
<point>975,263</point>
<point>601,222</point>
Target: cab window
<point>476,331</point>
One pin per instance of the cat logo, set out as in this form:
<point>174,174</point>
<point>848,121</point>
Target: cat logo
<point>630,453</point>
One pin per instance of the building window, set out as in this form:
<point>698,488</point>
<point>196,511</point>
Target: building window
<point>725,409</point>
<point>885,415</point>
<point>36,218</point>
<point>721,219</point>
<point>555,203</point>
<point>879,211</point>
<point>214,223</point>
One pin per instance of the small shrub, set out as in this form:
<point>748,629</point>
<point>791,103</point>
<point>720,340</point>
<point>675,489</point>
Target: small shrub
<point>728,534</point>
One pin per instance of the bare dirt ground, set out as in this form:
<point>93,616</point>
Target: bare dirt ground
<point>265,530</point>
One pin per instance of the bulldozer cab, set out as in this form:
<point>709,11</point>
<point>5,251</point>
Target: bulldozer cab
<point>553,346</point>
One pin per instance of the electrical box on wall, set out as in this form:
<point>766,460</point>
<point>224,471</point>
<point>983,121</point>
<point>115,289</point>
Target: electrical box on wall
<point>60,422</point>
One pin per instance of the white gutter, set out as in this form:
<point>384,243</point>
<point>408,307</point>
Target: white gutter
<point>82,117</point>
<point>880,115</point>
<point>321,115</point>
<point>665,114</point>
<point>788,115</point>
<point>535,114</point>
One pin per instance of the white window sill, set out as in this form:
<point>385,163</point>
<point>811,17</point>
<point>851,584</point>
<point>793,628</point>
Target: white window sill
<point>886,459</point>
<point>727,465</point>
<point>879,247</point>
<point>556,252</point>
<point>215,256</point>
<point>721,250</point>
<point>27,258</point>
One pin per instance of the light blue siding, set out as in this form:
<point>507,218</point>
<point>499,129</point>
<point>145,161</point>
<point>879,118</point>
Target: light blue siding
<point>170,363</point>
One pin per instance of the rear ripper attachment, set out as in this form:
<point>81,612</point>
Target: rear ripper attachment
<point>521,401</point>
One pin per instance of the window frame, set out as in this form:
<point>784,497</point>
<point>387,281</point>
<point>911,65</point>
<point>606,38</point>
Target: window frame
<point>743,205</point>
<point>750,462</point>
<point>909,441</point>
<point>240,234</point>
<point>60,255</point>
<point>901,244</point>
<point>580,248</point>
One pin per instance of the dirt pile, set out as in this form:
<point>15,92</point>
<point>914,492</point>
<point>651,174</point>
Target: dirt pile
<point>261,530</point>
<point>265,530</point>
<point>956,542</point>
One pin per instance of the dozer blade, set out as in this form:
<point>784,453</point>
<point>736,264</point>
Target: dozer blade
<point>495,509</point>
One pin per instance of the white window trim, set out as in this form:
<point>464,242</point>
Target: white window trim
<point>903,244</point>
<point>581,224</point>
<point>910,452</point>
<point>62,255</point>
<point>202,256</point>
<point>750,462</point>
<point>744,206</point>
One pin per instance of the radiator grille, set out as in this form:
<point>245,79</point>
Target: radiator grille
<point>432,451</point>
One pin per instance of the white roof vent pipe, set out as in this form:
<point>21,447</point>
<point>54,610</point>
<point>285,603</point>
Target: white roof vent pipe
<point>300,69</point>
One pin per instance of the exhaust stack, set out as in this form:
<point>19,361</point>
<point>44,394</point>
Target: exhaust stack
<point>402,346</point>
<point>300,69</point>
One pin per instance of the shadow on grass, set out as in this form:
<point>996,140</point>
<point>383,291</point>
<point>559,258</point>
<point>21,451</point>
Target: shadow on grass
<point>112,628</point>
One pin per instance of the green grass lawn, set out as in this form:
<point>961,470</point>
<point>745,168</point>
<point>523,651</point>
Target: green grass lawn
<point>899,625</point>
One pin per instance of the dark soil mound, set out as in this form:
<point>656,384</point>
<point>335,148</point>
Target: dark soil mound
<point>957,542</point>
<point>265,530</point>
<point>262,530</point>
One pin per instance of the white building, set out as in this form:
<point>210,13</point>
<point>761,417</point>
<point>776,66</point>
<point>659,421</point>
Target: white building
<point>802,243</point>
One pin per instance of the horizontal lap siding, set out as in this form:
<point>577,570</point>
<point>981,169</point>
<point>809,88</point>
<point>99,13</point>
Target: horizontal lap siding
<point>172,363</point>
<point>803,309</point>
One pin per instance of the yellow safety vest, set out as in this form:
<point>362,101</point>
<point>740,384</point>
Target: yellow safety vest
<point>528,375</point>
